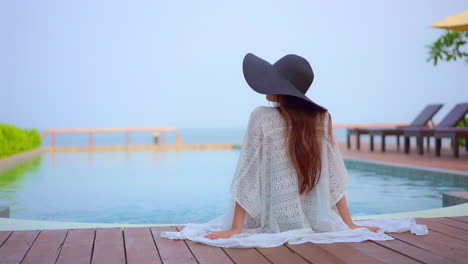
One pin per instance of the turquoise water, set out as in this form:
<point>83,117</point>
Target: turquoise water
<point>170,187</point>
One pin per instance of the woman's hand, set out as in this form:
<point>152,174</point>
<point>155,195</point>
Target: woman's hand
<point>223,234</point>
<point>236,228</point>
<point>371,228</point>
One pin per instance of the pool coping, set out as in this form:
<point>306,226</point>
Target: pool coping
<point>19,158</point>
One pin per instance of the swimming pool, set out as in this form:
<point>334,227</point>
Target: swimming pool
<point>174,187</point>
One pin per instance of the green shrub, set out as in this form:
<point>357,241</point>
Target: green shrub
<point>14,140</point>
<point>462,123</point>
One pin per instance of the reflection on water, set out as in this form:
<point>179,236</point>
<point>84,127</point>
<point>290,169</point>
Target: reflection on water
<point>13,178</point>
<point>378,193</point>
<point>171,187</point>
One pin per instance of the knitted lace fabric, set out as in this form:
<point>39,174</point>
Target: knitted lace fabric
<point>265,185</point>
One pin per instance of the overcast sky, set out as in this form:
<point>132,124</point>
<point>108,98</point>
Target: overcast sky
<point>179,63</point>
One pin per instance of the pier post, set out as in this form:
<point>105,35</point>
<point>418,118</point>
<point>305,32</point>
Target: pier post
<point>163,137</point>
<point>52,139</point>
<point>91,138</point>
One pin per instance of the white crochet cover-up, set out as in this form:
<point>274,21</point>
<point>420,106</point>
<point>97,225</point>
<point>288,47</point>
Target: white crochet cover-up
<point>265,185</point>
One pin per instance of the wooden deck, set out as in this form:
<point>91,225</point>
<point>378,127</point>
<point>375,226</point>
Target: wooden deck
<point>447,242</point>
<point>398,156</point>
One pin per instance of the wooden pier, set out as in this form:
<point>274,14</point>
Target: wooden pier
<point>91,131</point>
<point>447,242</point>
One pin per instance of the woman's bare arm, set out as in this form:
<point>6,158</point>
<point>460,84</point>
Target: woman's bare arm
<point>344,212</point>
<point>238,219</point>
<point>237,223</point>
<point>342,206</point>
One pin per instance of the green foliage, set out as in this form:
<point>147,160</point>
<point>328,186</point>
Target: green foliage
<point>447,47</point>
<point>462,123</point>
<point>14,140</point>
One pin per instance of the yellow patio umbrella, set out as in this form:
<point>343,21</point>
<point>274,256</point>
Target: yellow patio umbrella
<point>455,22</point>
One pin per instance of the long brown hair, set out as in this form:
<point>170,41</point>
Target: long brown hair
<point>305,132</point>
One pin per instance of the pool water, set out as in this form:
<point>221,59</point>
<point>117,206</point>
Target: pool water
<point>171,187</point>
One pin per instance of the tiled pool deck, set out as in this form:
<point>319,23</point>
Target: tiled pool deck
<point>394,156</point>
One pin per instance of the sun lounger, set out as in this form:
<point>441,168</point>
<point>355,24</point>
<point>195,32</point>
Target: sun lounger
<point>420,121</point>
<point>449,121</point>
<point>455,133</point>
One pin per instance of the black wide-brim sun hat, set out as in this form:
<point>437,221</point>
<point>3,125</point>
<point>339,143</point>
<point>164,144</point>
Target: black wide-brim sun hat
<point>290,75</point>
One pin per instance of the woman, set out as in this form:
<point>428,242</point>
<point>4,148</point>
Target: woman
<point>290,180</point>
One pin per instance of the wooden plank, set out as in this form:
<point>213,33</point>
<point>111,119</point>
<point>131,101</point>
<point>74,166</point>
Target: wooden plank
<point>246,255</point>
<point>413,251</point>
<point>463,219</point>
<point>312,253</point>
<point>454,223</point>
<point>4,236</point>
<point>46,248</point>
<point>281,254</point>
<point>205,253</point>
<point>443,245</point>
<point>109,246</point>
<point>430,221</point>
<point>381,253</point>
<point>171,250</point>
<point>15,248</point>
<point>347,253</point>
<point>78,246</point>
<point>446,229</point>
<point>140,246</point>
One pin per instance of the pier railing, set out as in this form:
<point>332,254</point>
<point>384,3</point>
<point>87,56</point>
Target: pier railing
<point>127,130</point>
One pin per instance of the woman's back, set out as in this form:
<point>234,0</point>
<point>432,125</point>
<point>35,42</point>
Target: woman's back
<point>266,181</point>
